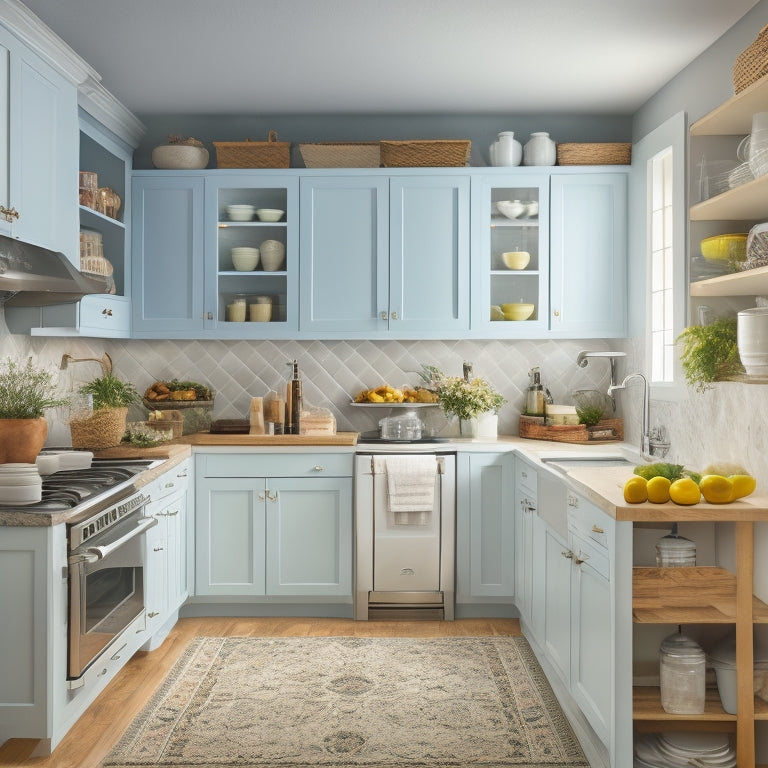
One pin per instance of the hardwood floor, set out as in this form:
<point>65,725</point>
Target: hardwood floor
<point>105,720</point>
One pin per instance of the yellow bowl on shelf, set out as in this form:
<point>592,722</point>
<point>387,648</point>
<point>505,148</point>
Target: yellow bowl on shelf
<point>731,247</point>
<point>517,311</point>
<point>516,259</point>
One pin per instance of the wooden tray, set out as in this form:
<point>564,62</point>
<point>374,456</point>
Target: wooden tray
<point>533,428</point>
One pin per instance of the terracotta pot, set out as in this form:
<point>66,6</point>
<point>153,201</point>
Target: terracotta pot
<point>21,440</point>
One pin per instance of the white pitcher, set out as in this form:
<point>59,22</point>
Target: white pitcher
<point>540,150</point>
<point>509,151</point>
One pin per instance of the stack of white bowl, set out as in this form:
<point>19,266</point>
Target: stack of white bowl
<point>245,259</point>
<point>20,484</point>
<point>682,749</point>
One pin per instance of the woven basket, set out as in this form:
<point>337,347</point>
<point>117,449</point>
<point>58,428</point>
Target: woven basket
<point>611,153</point>
<point>533,428</point>
<point>333,154</point>
<point>104,429</point>
<point>752,63</point>
<point>253,154</point>
<point>425,154</point>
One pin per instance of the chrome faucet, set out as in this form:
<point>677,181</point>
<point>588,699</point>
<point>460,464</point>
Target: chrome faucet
<point>645,440</point>
<point>583,360</point>
<point>105,362</point>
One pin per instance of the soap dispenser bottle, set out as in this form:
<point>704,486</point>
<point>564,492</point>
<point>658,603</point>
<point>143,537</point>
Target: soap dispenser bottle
<point>534,396</point>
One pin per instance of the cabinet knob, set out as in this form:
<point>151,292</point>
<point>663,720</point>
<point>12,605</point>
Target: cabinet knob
<point>393,315</point>
<point>580,558</point>
<point>556,313</point>
<point>572,501</point>
<point>383,315</point>
<point>9,214</point>
<point>317,468</point>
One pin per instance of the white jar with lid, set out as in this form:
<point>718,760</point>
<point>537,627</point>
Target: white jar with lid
<point>539,150</point>
<point>675,551</point>
<point>682,666</point>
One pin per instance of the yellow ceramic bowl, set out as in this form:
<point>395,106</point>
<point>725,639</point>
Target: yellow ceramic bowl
<point>731,247</point>
<point>517,311</point>
<point>516,259</point>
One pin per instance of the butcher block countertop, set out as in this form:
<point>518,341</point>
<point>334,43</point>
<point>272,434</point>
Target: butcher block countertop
<point>605,488</point>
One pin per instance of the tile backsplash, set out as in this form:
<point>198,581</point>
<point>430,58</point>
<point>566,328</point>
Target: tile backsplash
<point>333,371</point>
<point>728,422</point>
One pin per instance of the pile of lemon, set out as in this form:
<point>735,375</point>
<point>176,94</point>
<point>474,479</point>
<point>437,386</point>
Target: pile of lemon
<point>718,484</point>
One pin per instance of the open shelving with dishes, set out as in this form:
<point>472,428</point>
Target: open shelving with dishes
<point>736,209</point>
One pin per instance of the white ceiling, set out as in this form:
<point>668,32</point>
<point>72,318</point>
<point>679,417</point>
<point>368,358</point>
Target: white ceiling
<point>387,56</point>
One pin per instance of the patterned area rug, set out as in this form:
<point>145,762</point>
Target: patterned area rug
<point>359,702</point>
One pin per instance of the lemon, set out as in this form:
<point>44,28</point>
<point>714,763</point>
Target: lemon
<point>685,491</point>
<point>716,489</point>
<point>658,489</point>
<point>636,490</point>
<point>743,485</point>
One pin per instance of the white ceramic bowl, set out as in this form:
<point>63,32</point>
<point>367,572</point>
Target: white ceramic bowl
<point>245,262</point>
<point>512,209</point>
<point>241,212</point>
<point>531,208</point>
<point>269,214</point>
<point>516,259</point>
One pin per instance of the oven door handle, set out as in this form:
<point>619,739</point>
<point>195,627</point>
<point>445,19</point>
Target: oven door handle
<point>145,523</point>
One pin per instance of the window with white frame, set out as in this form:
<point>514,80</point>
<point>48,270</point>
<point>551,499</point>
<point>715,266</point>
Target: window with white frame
<point>661,313</point>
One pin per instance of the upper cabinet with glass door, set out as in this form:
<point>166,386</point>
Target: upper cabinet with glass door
<point>510,271</point>
<point>727,196</point>
<point>252,255</point>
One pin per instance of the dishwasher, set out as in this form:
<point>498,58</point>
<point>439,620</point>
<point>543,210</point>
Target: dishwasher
<point>405,532</point>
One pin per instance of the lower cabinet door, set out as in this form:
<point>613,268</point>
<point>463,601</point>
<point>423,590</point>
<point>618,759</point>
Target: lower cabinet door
<point>156,577</point>
<point>309,536</point>
<point>591,660</point>
<point>557,603</point>
<point>229,536</point>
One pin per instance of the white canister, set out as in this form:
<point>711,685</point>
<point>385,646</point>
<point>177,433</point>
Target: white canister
<point>752,340</point>
<point>540,150</point>
<point>509,151</point>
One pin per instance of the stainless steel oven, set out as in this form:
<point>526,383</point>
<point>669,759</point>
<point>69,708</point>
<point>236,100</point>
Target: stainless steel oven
<point>106,578</point>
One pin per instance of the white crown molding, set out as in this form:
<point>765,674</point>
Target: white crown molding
<point>92,96</point>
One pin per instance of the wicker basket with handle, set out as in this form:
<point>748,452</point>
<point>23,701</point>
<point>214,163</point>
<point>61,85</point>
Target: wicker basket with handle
<point>594,153</point>
<point>752,63</point>
<point>425,153</point>
<point>254,154</point>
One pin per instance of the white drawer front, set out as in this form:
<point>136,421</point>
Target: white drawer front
<point>107,313</point>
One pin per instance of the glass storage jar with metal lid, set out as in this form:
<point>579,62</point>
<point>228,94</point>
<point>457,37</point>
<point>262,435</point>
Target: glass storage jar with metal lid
<point>682,665</point>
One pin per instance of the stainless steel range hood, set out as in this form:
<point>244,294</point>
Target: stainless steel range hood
<point>31,276</point>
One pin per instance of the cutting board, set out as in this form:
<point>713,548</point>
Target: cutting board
<point>207,438</point>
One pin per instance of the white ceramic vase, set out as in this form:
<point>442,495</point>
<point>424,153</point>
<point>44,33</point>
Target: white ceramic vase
<point>540,150</point>
<point>509,151</point>
<point>488,424</point>
<point>468,427</point>
<point>272,255</point>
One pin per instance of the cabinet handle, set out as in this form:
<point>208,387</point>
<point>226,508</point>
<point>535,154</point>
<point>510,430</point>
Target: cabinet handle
<point>116,655</point>
<point>580,558</point>
<point>271,497</point>
<point>107,312</point>
<point>573,501</point>
<point>9,214</point>
<point>317,468</point>
<point>208,316</point>
<point>260,497</point>
<point>152,614</point>
<point>524,475</point>
<point>383,315</point>
<point>157,549</point>
<point>393,315</point>
<point>597,529</point>
<point>172,514</point>
<point>568,554</point>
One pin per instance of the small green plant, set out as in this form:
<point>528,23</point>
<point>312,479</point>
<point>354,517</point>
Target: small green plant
<point>109,391</point>
<point>709,353</point>
<point>26,391</point>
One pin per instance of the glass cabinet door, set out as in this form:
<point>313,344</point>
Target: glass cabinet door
<point>256,255</point>
<point>510,272</point>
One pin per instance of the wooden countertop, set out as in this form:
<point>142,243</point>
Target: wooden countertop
<point>605,488</point>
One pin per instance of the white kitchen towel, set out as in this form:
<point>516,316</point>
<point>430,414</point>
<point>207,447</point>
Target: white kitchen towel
<point>411,483</point>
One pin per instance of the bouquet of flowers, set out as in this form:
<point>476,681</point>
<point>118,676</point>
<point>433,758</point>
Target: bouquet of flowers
<point>464,398</point>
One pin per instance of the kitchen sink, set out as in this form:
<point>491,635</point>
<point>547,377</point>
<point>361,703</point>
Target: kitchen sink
<point>593,462</point>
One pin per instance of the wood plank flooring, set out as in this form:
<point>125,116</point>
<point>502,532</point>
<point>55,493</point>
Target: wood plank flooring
<point>107,718</point>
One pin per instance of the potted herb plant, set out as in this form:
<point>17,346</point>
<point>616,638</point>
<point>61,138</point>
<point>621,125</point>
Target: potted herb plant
<point>710,352</point>
<point>467,399</point>
<point>106,425</point>
<point>25,393</point>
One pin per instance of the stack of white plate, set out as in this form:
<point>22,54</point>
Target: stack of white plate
<point>681,749</point>
<point>20,484</point>
<point>70,459</point>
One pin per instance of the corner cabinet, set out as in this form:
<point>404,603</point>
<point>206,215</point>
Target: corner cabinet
<point>384,256</point>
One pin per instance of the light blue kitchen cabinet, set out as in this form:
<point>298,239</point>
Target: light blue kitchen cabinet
<point>309,536</point>
<point>525,499</point>
<point>556,600</point>
<point>485,529</point>
<point>588,255</point>
<point>493,234</point>
<point>273,525</point>
<point>167,261</point>
<point>38,159</point>
<point>384,256</point>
